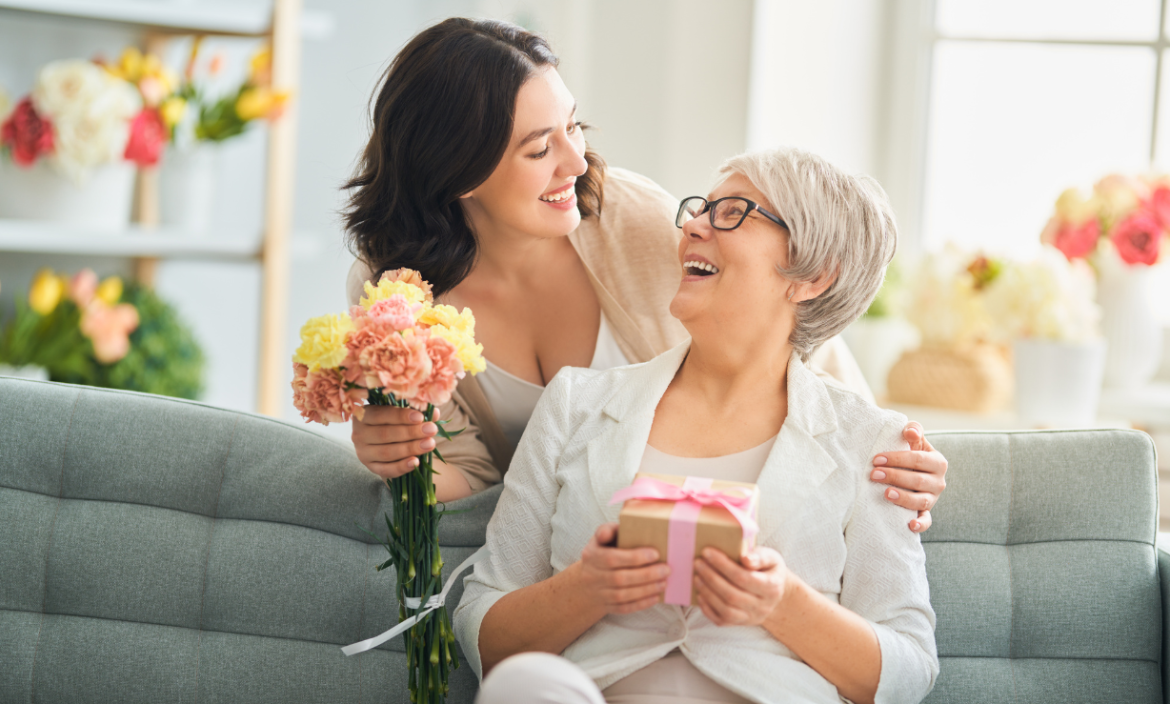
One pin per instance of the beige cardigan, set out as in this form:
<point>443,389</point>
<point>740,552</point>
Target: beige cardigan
<point>631,255</point>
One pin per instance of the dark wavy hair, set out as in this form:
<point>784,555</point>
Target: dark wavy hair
<point>441,122</point>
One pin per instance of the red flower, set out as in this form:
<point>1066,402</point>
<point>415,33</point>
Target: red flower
<point>1077,240</point>
<point>148,134</point>
<point>1137,238</point>
<point>28,134</point>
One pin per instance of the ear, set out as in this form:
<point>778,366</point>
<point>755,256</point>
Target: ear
<point>469,194</point>
<point>808,290</point>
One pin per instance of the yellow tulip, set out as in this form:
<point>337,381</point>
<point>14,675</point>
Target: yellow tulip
<point>255,103</point>
<point>172,110</point>
<point>46,292</point>
<point>130,65</point>
<point>260,71</point>
<point>110,290</point>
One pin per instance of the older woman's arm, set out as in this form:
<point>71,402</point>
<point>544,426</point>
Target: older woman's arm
<point>515,601</point>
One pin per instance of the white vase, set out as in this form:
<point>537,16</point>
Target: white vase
<point>28,371</point>
<point>102,202</point>
<point>1130,327</point>
<point>877,344</point>
<point>1058,383</point>
<point>187,188</point>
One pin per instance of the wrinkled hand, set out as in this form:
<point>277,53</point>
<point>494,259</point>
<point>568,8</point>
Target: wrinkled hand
<point>621,581</point>
<point>389,439</point>
<point>917,477</point>
<point>731,594</point>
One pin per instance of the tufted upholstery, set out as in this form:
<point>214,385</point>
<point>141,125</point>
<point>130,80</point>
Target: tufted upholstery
<point>160,550</point>
<point>1043,569</point>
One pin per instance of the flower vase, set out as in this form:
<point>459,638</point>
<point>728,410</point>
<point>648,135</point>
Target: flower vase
<point>187,188</point>
<point>1132,331</point>
<point>101,202</point>
<point>1058,383</point>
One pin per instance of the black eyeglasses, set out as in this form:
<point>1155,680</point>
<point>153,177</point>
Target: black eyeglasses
<point>726,213</point>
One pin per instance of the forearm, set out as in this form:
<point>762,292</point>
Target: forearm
<point>545,617</point>
<point>831,639</point>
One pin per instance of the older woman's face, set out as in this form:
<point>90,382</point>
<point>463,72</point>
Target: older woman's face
<point>745,280</point>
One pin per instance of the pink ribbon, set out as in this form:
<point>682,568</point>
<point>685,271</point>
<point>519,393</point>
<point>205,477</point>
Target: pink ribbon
<point>689,500</point>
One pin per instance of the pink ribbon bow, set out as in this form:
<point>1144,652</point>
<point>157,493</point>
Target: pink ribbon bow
<point>689,500</point>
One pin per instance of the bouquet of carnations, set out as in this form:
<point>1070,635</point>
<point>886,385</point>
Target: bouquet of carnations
<point>397,348</point>
<point>1128,215</point>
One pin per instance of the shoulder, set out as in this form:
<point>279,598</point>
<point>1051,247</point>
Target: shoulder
<point>359,274</point>
<point>862,427</point>
<point>591,389</point>
<point>625,183</point>
<point>634,208</point>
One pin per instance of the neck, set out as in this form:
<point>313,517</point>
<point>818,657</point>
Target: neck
<point>511,257</point>
<point>737,364</point>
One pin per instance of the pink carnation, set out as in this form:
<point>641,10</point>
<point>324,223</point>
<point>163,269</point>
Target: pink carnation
<point>83,287</point>
<point>1138,238</point>
<point>1076,241</point>
<point>395,363</point>
<point>27,134</point>
<point>394,311</point>
<point>322,396</point>
<point>109,328</point>
<point>148,136</point>
<point>446,371</point>
<point>1160,204</point>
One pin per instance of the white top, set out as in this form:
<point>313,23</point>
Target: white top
<point>818,509</point>
<point>513,398</point>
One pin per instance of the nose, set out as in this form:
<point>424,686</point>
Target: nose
<point>573,163</point>
<point>698,229</point>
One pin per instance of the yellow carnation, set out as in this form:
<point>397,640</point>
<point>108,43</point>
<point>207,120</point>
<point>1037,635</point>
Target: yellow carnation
<point>323,341</point>
<point>110,290</point>
<point>386,289</point>
<point>470,353</point>
<point>172,110</point>
<point>46,292</point>
<point>463,321</point>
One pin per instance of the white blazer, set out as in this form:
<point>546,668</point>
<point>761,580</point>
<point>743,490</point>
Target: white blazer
<point>817,508</point>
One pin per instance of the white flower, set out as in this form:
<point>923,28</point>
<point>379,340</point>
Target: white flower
<point>5,104</point>
<point>1047,298</point>
<point>945,306</point>
<point>90,111</point>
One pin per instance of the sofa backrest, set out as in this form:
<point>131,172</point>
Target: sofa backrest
<point>161,550</point>
<point>1043,568</point>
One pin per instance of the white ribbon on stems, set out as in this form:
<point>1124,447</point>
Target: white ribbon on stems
<point>413,603</point>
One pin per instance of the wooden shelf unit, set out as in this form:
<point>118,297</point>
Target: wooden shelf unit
<point>283,26</point>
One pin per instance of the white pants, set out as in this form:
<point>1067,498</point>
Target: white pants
<point>538,678</point>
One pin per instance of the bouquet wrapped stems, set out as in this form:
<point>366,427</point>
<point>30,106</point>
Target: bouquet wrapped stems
<point>413,543</point>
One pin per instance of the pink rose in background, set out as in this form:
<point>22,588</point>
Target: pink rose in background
<point>1160,205</point>
<point>446,371</point>
<point>394,311</point>
<point>83,287</point>
<point>1138,238</point>
<point>148,135</point>
<point>109,328</point>
<point>27,134</point>
<point>396,364</point>
<point>1076,241</point>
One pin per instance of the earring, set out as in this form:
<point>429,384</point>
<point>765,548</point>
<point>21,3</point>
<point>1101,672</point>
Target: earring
<point>790,292</point>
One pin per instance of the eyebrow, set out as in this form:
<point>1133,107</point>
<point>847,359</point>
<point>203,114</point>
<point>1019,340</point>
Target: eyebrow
<point>537,134</point>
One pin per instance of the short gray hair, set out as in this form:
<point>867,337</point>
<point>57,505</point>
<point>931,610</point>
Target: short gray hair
<point>840,225</point>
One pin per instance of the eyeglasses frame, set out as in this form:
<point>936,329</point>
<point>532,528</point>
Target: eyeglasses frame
<point>710,209</point>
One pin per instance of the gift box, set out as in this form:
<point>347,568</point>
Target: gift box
<point>680,516</point>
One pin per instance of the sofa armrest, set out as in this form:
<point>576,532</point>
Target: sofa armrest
<point>1164,579</point>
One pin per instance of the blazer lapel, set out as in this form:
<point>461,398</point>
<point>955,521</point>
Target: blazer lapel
<point>615,453</point>
<point>797,464</point>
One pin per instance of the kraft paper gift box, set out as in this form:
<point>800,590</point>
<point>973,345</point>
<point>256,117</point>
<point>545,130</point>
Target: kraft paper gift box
<point>684,518</point>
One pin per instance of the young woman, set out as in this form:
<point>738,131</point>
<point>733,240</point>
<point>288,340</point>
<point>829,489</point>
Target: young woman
<point>477,174</point>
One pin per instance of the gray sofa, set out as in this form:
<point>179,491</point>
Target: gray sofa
<point>159,550</point>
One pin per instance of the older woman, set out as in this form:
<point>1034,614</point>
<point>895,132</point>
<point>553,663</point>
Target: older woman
<point>782,255</point>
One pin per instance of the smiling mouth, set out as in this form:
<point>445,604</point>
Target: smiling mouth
<point>700,269</point>
<point>559,196</point>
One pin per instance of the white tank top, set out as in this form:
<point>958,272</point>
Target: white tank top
<point>513,399</point>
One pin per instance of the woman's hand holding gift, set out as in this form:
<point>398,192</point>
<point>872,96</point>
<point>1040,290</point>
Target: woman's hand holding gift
<point>734,594</point>
<point>620,581</point>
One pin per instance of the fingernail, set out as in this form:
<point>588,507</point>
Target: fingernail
<point>915,525</point>
<point>663,571</point>
<point>413,461</point>
<point>430,429</point>
<point>427,444</point>
<point>649,555</point>
<point>416,417</point>
<point>878,475</point>
<point>879,460</point>
<point>892,494</point>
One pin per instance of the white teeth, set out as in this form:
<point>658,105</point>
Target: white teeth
<point>702,266</point>
<point>558,197</point>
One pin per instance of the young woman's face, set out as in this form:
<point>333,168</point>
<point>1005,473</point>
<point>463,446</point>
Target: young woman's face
<point>531,190</point>
<point>745,278</point>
